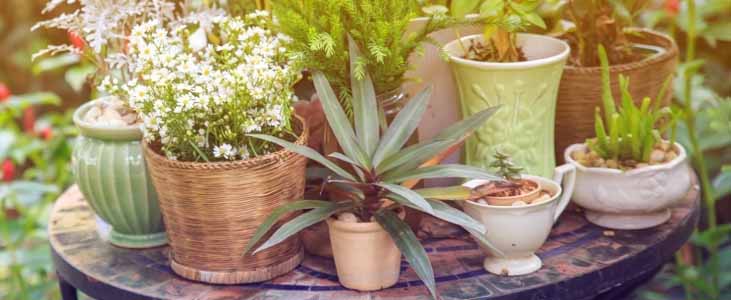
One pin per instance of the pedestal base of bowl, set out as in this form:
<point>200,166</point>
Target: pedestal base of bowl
<point>512,266</point>
<point>628,221</point>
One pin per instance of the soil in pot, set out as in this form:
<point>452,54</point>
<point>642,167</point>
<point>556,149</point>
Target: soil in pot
<point>366,258</point>
<point>517,192</point>
<point>662,153</point>
<point>486,52</point>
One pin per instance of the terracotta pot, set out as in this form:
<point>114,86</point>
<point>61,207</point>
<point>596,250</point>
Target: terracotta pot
<point>580,90</point>
<point>515,233</point>
<point>635,199</point>
<point>508,201</point>
<point>366,258</point>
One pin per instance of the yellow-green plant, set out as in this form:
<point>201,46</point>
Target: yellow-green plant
<point>627,132</point>
<point>378,167</point>
<point>503,19</point>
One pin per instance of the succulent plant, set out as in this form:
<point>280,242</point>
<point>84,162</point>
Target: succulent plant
<point>504,167</point>
<point>628,132</point>
<point>378,171</point>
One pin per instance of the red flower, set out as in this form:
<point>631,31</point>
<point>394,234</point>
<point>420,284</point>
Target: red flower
<point>672,6</point>
<point>47,133</point>
<point>76,40</point>
<point>8,170</point>
<point>29,120</point>
<point>4,92</point>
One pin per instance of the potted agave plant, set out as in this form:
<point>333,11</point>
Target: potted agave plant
<point>518,214</point>
<point>367,232</point>
<point>519,71</point>
<point>199,98</point>
<point>628,176</point>
<point>107,158</point>
<point>646,57</point>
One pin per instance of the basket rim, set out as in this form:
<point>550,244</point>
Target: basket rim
<point>279,155</point>
<point>671,52</point>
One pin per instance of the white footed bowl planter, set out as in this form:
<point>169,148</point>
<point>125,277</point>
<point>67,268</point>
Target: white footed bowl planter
<point>634,199</point>
<point>366,258</point>
<point>517,232</point>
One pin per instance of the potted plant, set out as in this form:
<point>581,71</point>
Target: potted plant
<point>646,57</point>
<point>107,158</point>
<point>517,227</point>
<point>628,176</point>
<point>519,71</point>
<point>199,98</point>
<point>367,232</point>
<point>514,189</point>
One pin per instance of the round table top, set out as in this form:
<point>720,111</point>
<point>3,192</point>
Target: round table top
<point>580,261</point>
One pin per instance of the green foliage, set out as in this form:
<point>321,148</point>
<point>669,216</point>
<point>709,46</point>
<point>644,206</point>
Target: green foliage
<point>586,23</point>
<point>503,19</point>
<point>36,158</point>
<point>504,167</point>
<point>628,132</point>
<point>368,182</point>
<point>320,29</point>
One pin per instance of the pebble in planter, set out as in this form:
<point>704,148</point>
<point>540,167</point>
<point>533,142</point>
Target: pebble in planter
<point>518,214</point>
<point>628,176</point>
<point>518,71</point>
<point>367,230</point>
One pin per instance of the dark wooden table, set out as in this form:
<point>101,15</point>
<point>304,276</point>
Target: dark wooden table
<point>581,261</point>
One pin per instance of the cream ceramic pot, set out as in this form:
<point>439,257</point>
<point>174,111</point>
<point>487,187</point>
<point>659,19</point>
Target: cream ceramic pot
<point>515,233</point>
<point>430,69</point>
<point>635,199</point>
<point>366,258</point>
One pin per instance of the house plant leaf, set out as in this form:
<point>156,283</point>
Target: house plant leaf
<point>409,246</point>
<point>364,105</point>
<point>307,152</point>
<point>410,196</point>
<point>442,171</point>
<point>281,211</point>
<point>402,126</point>
<point>298,224</point>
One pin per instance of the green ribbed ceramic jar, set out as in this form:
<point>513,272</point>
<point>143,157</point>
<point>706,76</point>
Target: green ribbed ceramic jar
<point>110,170</point>
<point>526,92</point>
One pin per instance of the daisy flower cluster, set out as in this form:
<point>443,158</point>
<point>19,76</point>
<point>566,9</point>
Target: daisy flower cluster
<point>201,88</point>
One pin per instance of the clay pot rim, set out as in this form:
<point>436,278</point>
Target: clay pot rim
<point>649,169</point>
<point>550,59</point>
<point>508,198</point>
<point>114,133</point>
<point>359,227</point>
<point>543,182</point>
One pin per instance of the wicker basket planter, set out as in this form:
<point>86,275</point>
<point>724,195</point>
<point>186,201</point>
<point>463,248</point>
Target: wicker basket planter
<point>211,210</point>
<point>580,89</point>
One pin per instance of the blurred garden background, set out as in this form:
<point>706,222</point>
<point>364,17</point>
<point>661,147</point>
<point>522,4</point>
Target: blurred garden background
<point>38,96</point>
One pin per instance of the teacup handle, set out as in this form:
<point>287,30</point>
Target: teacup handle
<point>565,175</point>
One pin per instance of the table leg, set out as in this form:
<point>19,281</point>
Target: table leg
<point>68,291</point>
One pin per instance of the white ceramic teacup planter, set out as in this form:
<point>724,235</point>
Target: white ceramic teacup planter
<point>635,199</point>
<point>517,232</point>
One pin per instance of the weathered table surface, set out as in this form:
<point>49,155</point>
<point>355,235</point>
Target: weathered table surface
<point>581,261</point>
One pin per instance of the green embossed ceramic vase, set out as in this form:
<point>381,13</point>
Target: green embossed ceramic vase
<point>523,126</point>
<point>110,170</point>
